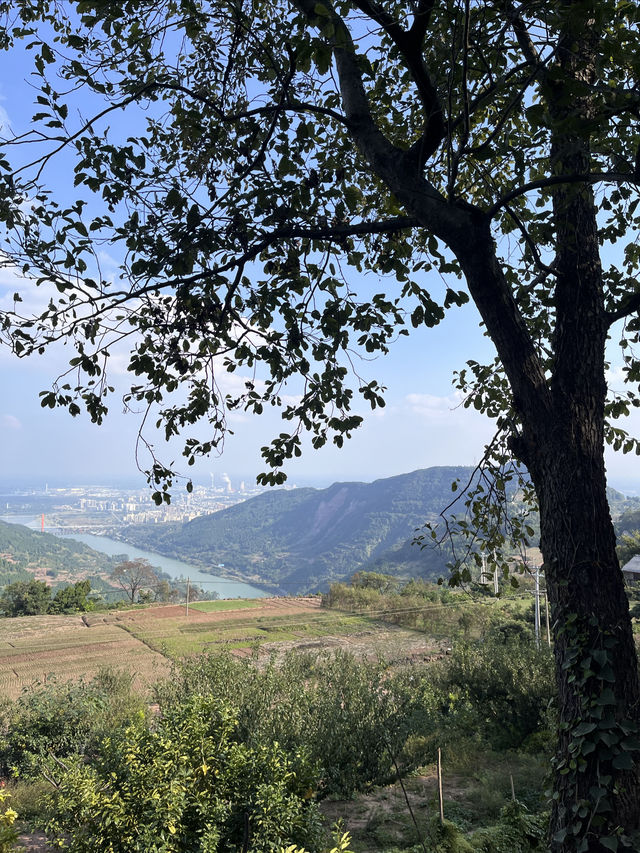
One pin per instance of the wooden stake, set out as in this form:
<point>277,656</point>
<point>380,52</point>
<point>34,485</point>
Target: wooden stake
<point>440,799</point>
<point>513,790</point>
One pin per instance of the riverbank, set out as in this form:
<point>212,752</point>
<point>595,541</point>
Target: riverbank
<point>225,586</point>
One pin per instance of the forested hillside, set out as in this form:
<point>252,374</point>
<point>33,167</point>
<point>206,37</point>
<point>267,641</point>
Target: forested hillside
<point>22,549</point>
<point>301,539</point>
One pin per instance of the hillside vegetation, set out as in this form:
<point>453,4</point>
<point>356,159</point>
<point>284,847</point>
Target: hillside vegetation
<point>301,539</point>
<point>23,551</point>
<point>264,753</point>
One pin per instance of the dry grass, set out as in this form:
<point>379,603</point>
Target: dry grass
<point>35,648</point>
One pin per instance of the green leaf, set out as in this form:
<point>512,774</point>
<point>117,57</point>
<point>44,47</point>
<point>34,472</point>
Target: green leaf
<point>584,728</point>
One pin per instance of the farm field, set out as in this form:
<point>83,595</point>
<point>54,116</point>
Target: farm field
<point>271,625</point>
<point>37,648</point>
<point>144,641</point>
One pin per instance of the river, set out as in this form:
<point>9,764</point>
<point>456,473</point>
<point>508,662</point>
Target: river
<point>225,587</point>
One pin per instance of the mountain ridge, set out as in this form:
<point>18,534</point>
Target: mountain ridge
<point>301,539</point>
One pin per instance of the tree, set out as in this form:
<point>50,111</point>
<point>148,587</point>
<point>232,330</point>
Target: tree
<point>628,546</point>
<point>72,598</point>
<point>134,576</point>
<point>165,592</point>
<point>25,598</point>
<point>283,141</point>
<point>189,783</point>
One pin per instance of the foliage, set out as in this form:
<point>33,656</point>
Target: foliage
<point>352,717</point>
<point>300,538</point>
<point>517,832</point>
<point>434,609</point>
<point>275,145</point>
<point>8,832</point>
<point>342,844</point>
<point>72,598</point>
<point>33,549</point>
<point>334,724</point>
<point>628,546</point>
<point>32,598</point>
<point>62,719</point>
<point>374,580</point>
<point>135,577</point>
<point>188,783</point>
<point>25,598</point>
<point>500,687</point>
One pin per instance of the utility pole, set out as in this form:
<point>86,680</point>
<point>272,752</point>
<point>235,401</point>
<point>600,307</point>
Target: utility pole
<point>496,589</point>
<point>188,591</point>
<point>537,610</point>
<point>546,601</point>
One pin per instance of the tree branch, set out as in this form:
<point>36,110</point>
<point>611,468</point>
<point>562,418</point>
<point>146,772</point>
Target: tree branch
<point>630,305</point>
<point>555,180</point>
<point>410,46</point>
<point>545,268</point>
<point>522,35</point>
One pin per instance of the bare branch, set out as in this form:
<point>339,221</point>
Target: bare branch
<point>410,46</point>
<point>545,268</point>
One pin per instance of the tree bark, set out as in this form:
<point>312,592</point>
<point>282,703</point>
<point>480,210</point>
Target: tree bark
<point>596,665</point>
<point>596,783</point>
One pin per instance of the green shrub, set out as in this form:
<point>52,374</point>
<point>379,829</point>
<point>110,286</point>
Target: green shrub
<point>64,718</point>
<point>446,838</point>
<point>188,784</point>
<point>500,687</point>
<point>518,831</point>
<point>8,832</point>
<point>351,716</point>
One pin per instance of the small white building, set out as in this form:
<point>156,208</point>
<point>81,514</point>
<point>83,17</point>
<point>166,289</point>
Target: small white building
<point>631,570</point>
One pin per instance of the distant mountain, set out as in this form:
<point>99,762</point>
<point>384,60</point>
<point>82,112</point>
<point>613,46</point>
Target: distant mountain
<point>22,549</point>
<point>301,539</point>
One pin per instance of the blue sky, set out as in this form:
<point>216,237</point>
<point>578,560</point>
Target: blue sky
<point>422,425</point>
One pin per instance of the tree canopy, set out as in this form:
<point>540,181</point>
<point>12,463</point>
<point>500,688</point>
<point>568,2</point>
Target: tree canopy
<point>135,576</point>
<point>277,179</point>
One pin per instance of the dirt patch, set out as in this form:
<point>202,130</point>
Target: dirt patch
<point>268,607</point>
<point>34,843</point>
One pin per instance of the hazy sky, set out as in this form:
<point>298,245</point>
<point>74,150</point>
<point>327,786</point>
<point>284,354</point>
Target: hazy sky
<point>422,425</point>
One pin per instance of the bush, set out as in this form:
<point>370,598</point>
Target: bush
<point>64,719</point>
<point>500,687</point>
<point>191,783</point>
<point>8,832</point>
<point>518,832</point>
<point>351,716</point>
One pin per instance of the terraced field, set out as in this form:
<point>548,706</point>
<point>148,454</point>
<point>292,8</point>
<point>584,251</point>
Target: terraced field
<point>145,641</point>
<point>35,648</point>
<point>170,631</point>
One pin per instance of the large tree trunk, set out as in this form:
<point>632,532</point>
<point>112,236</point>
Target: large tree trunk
<point>597,785</point>
<point>596,790</point>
